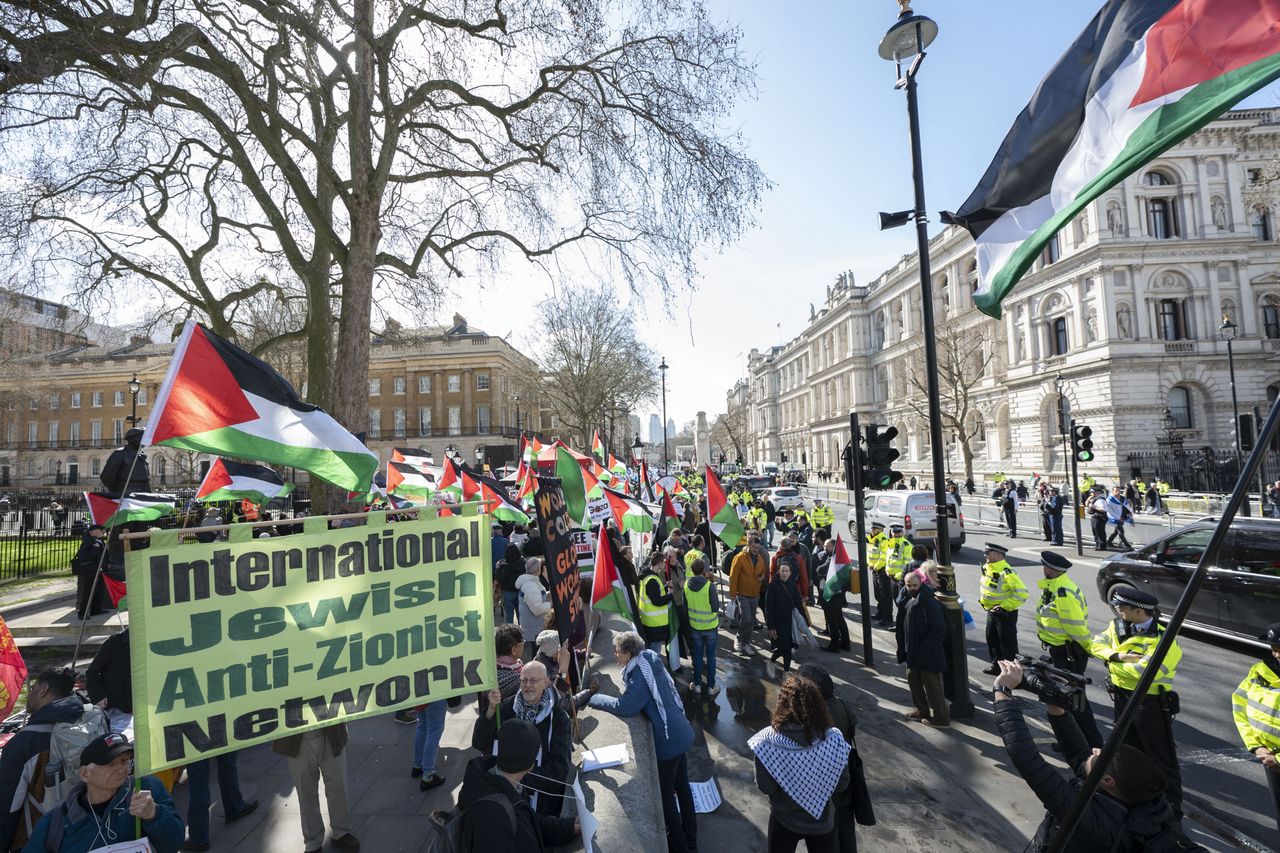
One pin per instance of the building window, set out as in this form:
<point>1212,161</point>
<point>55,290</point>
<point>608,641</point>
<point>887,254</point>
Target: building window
<point>73,433</point>
<point>53,433</point>
<point>1271,317</point>
<point>424,421</point>
<point>75,399</point>
<point>482,382</point>
<point>54,402</point>
<point>1173,320</point>
<point>34,405</point>
<point>95,399</point>
<point>375,387</point>
<point>1161,222</point>
<point>1157,179</point>
<point>424,384</point>
<point>397,421</point>
<point>1260,224</point>
<point>1058,336</point>
<point>375,422</point>
<point>142,396</point>
<point>33,434</point>
<point>455,383</point>
<point>95,433</point>
<point>119,398</point>
<point>117,430</point>
<point>1052,251</point>
<point>397,385</point>
<point>95,466</point>
<point>1180,407</point>
<point>455,420</point>
<point>482,419</point>
<point>162,469</point>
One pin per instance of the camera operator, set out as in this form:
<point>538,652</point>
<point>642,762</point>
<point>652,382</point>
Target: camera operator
<point>1129,810</point>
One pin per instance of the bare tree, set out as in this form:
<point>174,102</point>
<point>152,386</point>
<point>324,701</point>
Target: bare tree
<point>218,151</point>
<point>966,351</point>
<point>590,363</point>
<point>729,430</point>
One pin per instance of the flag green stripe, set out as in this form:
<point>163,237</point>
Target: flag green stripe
<point>614,602</point>
<point>351,471</point>
<point>1164,128</point>
<point>150,512</point>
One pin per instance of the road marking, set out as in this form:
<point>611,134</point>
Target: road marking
<point>1221,755</point>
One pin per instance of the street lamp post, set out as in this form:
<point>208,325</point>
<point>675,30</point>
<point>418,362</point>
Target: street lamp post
<point>134,387</point>
<point>907,40</point>
<point>1227,331</point>
<point>666,458</point>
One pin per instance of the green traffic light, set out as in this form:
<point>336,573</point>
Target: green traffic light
<point>1084,456</point>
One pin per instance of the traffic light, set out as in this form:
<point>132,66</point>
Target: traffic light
<point>877,471</point>
<point>1082,442</point>
<point>784,458</point>
<point>847,457</point>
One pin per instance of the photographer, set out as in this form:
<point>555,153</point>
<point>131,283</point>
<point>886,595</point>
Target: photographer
<point>1128,811</point>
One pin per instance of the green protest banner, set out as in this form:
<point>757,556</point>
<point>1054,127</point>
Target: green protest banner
<point>242,642</point>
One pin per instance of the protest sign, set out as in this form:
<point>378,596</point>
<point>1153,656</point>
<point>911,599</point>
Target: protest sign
<point>241,642</point>
<point>559,552</point>
<point>583,552</point>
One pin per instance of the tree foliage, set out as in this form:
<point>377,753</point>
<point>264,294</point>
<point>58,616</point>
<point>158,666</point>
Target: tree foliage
<point>729,432</point>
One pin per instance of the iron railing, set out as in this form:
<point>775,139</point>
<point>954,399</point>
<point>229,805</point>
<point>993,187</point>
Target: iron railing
<point>1199,469</point>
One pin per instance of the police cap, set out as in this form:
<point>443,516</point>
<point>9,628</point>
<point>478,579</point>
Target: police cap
<point>1134,598</point>
<point>877,525</point>
<point>994,546</point>
<point>1271,635</point>
<point>895,526</point>
<point>1054,560</point>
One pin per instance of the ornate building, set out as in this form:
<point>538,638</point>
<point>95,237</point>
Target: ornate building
<point>1125,307</point>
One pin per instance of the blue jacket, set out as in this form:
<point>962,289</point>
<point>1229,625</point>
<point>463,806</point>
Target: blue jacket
<point>669,741</point>
<point>80,829</point>
<point>19,759</point>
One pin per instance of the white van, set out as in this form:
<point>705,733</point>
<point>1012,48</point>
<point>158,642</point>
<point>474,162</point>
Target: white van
<point>915,512</point>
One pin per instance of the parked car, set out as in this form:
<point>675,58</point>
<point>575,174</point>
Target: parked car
<point>783,497</point>
<point>760,482</point>
<point>1240,595</point>
<point>915,512</point>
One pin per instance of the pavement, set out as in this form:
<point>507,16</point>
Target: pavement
<point>932,789</point>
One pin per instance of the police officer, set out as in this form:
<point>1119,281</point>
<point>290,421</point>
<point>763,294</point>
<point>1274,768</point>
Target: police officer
<point>756,518</point>
<point>1255,706</point>
<point>822,516</point>
<point>1126,646</point>
<point>1002,593</point>
<point>876,554</point>
<point>897,552</point>
<point>1062,624</point>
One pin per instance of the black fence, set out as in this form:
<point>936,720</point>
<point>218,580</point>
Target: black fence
<point>1201,469</point>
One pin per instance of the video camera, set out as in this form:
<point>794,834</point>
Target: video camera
<point>1053,686</point>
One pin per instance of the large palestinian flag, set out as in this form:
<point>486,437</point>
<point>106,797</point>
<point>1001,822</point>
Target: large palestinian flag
<point>233,481</point>
<point>721,517</point>
<point>217,398</point>
<point>628,513</point>
<point>608,592</point>
<point>1144,75</point>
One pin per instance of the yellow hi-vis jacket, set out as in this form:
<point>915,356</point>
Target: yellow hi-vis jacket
<point>876,551</point>
<point>822,516</point>
<point>1001,587</point>
<point>1122,638</point>
<point>1063,613</point>
<point>1255,706</point>
<point>652,615</point>
<point>897,555</point>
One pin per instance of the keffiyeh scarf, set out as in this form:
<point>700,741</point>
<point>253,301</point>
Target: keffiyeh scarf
<point>647,670</point>
<point>535,713</point>
<point>808,774</point>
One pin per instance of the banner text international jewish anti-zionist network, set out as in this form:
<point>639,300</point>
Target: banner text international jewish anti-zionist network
<point>243,642</point>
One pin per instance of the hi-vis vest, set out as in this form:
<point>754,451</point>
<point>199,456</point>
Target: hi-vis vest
<point>1122,638</point>
<point>1001,587</point>
<point>875,551</point>
<point>652,615</point>
<point>898,554</point>
<point>701,616</point>
<point>1255,706</point>
<point>1062,613</point>
<point>822,516</point>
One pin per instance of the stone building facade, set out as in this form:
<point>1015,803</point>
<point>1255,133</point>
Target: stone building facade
<point>1125,307</point>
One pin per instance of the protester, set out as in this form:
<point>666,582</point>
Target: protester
<point>199,796</point>
<point>109,681</point>
<point>650,690</point>
<point>802,763</point>
<point>508,641</point>
<point>923,630</point>
<point>853,804</point>
<point>506,573</point>
<point>104,809</point>
<point>832,597</point>
<point>495,814</point>
<point>746,577</point>
<point>781,602</point>
<point>535,604</point>
<point>654,604</point>
<point>548,653</point>
<point>704,623</point>
<point>320,753</point>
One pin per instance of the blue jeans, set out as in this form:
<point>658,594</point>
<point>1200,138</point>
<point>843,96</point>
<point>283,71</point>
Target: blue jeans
<point>704,642</point>
<point>426,739</point>
<point>510,600</point>
<point>1055,528</point>
<point>768,534</point>
<point>199,794</point>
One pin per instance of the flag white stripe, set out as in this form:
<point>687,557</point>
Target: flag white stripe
<point>315,430</point>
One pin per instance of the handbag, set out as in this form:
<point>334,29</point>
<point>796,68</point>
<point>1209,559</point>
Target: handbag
<point>731,609</point>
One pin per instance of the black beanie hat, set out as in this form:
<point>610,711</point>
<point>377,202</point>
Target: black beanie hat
<point>517,746</point>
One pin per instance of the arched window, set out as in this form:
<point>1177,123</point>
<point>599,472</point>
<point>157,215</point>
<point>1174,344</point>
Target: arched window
<point>1157,179</point>
<point>1260,224</point>
<point>95,466</point>
<point>1180,407</point>
<point>162,466</point>
<point>1271,316</point>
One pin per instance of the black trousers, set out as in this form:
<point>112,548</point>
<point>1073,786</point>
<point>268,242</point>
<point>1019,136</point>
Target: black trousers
<point>1152,732</point>
<point>1046,527</point>
<point>85,608</point>
<point>673,787</point>
<point>1072,657</point>
<point>1119,531</point>
<point>1011,519</point>
<point>783,840</point>
<point>1099,531</point>
<point>884,596</point>
<point>836,626</point>
<point>1002,634</point>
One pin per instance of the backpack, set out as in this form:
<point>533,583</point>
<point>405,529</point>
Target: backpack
<point>444,830</point>
<point>62,760</point>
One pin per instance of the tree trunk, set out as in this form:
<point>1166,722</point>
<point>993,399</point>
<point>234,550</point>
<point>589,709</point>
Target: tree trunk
<point>966,453</point>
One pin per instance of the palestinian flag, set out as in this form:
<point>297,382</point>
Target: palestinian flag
<point>116,590</point>
<point>839,575</point>
<point>670,518</point>
<point>454,481</point>
<point>597,447</point>
<point>669,485</point>
<point>415,456</point>
<point>628,513</point>
<point>136,507</point>
<point>404,478</point>
<point>496,503</point>
<point>617,468</point>
<point>1143,76</point>
<point>608,592</point>
<point>573,482</point>
<point>13,669</point>
<point>645,487</point>
<point>721,517</point>
<point>233,481</point>
<point>525,485</point>
<point>217,398</point>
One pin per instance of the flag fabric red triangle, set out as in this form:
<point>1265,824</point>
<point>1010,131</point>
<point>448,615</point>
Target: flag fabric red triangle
<point>608,592</point>
<point>670,518</point>
<point>203,395</point>
<point>13,670</point>
<point>115,589</point>
<point>101,508</point>
<point>217,478</point>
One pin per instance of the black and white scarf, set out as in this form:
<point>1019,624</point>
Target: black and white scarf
<point>808,774</point>
<point>535,713</point>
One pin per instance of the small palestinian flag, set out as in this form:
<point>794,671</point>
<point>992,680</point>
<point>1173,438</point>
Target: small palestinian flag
<point>217,398</point>
<point>608,592</point>
<point>597,447</point>
<point>13,670</point>
<point>136,507</point>
<point>617,468</point>
<point>628,513</point>
<point>116,589</point>
<point>669,485</point>
<point>496,503</point>
<point>670,518</point>
<point>645,488</point>
<point>574,484</point>
<point>415,456</point>
<point>233,481</point>
<point>454,481</point>
<point>1143,76</point>
<point>840,575</point>
<point>405,478</point>
<point>721,517</point>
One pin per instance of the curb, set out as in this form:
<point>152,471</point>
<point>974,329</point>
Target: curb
<point>25,607</point>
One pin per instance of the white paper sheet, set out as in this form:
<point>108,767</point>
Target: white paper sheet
<point>605,756</point>
<point>585,818</point>
<point>706,796</point>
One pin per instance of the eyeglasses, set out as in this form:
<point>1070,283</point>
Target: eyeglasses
<point>530,682</point>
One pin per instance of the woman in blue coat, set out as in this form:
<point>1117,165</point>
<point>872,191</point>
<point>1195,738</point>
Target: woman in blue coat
<point>650,690</point>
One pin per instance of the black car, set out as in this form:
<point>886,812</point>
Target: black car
<point>1240,595</point>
